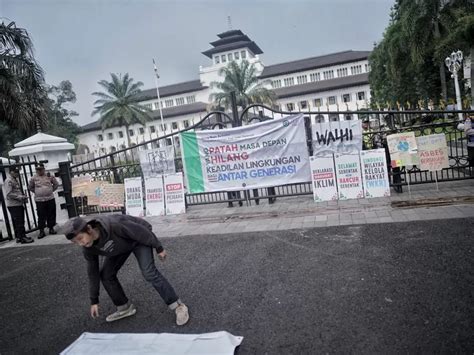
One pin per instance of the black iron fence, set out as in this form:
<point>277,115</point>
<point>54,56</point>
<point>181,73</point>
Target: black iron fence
<point>117,166</point>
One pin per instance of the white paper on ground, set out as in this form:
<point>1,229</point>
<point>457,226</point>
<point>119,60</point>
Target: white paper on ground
<point>218,343</point>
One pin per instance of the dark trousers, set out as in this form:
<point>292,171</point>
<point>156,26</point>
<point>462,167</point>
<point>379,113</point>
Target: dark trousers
<point>46,213</point>
<point>18,220</point>
<point>146,262</point>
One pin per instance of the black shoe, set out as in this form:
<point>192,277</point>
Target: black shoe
<point>42,234</point>
<point>26,240</point>
<point>52,231</point>
<point>18,240</point>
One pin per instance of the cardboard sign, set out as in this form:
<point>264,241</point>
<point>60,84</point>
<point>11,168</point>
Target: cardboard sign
<point>174,194</point>
<point>349,180</point>
<point>154,196</point>
<point>134,197</point>
<point>112,195</point>
<point>433,152</point>
<point>403,149</point>
<point>375,173</point>
<point>80,185</point>
<point>324,178</point>
<point>157,161</point>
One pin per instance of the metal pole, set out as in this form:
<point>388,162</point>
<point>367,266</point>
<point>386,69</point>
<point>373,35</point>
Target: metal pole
<point>158,95</point>
<point>458,95</point>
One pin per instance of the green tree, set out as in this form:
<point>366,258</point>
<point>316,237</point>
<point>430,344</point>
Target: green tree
<point>241,79</point>
<point>60,119</point>
<point>118,105</point>
<point>22,93</point>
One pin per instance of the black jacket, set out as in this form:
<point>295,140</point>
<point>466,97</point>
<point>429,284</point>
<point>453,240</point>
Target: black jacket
<point>119,234</point>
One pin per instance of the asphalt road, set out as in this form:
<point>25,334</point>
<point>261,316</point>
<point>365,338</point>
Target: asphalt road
<point>387,288</point>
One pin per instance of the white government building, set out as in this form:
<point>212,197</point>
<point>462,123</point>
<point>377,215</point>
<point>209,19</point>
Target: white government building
<point>337,81</point>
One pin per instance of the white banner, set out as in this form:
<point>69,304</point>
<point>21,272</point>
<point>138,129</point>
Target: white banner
<point>134,197</point>
<point>157,161</point>
<point>349,181</point>
<point>324,178</point>
<point>433,152</point>
<point>155,197</point>
<point>174,194</point>
<point>260,155</point>
<point>375,173</point>
<point>340,137</point>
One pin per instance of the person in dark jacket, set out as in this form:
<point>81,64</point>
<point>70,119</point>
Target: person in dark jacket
<point>116,237</point>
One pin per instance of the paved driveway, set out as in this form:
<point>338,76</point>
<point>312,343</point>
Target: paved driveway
<point>404,287</point>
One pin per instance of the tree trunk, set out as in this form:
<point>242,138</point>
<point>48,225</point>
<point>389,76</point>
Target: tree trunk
<point>442,71</point>
<point>128,137</point>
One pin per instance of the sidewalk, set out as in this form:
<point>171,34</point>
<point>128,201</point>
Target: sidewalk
<point>453,200</point>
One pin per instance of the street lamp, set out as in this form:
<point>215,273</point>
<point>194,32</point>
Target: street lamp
<point>454,63</point>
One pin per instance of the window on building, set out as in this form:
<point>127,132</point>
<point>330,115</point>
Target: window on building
<point>302,79</point>
<point>110,136</point>
<point>229,57</point>
<point>367,68</point>
<point>174,125</point>
<point>130,132</point>
<point>223,58</point>
<point>290,107</point>
<point>103,150</point>
<point>157,105</point>
<point>303,105</point>
<point>319,119</point>
<point>348,117</point>
<point>289,81</point>
<point>356,69</point>
<point>333,118</point>
<point>148,106</point>
<point>169,103</point>
<point>123,146</point>
<point>190,99</point>
<point>169,141</point>
<point>276,84</point>
<point>155,145</point>
<point>243,54</point>
<point>113,149</point>
<point>328,74</point>
<point>141,130</point>
<point>152,129</point>
<point>315,77</point>
<point>361,95</point>
<point>180,101</point>
<point>346,98</point>
<point>100,137</point>
<point>120,134</point>
<point>217,59</point>
<point>236,55</point>
<point>318,102</point>
<point>186,123</point>
<point>332,100</point>
<point>163,127</point>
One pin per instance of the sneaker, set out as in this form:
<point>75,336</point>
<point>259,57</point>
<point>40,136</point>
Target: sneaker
<point>26,240</point>
<point>130,311</point>
<point>42,234</point>
<point>52,231</point>
<point>182,314</point>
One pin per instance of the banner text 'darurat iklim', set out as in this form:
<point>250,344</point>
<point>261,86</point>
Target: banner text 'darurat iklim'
<point>266,154</point>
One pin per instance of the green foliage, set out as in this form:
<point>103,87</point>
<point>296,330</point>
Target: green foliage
<point>241,79</point>
<point>118,104</point>
<point>407,66</point>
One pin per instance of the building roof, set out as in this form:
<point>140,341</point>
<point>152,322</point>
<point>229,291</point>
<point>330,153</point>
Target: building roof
<point>323,85</point>
<point>231,40</point>
<point>313,63</point>
<point>170,90</point>
<point>167,113</point>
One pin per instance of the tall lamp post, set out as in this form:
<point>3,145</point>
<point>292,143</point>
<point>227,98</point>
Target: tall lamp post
<point>159,98</point>
<point>454,63</point>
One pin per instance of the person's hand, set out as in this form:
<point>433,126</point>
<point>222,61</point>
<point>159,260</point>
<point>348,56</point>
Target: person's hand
<point>95,311</point>
<point>162,255</point>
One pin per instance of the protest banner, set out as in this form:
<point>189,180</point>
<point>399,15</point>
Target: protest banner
<point>265,154</point>
<point>340,137</point>
<point>375,173</point>
<point>157,161</point>
<point>134,197</point>
<point>349,180</point>
<point>433,152</point>
<point>174,194</point>
<point>403,149</point>
<point>324,178</point>
<point>80,185</point>
<point>112,195</point>
<point>154,196</point>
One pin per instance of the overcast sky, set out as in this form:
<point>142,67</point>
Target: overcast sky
<point>85,40</point>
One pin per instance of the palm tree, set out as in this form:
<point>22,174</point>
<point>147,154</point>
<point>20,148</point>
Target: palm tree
<point>23,96</point>
<point>118,105</point>
<point>241,79</point>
